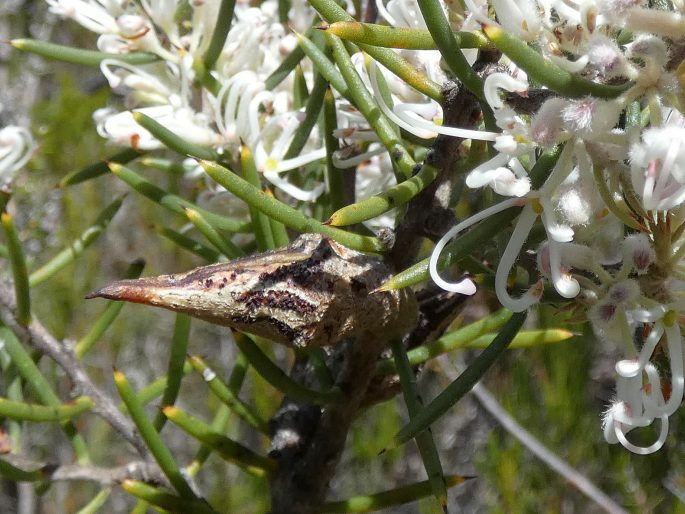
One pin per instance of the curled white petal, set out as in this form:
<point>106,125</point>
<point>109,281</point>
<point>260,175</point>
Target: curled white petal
<point>571,66</point>
<point>496,81</point>
<point>644,315</point>
<point>628,367</point>
<point>511,252</point>
<point>16,147</point>
<point>292,190</point>
<point>502,180</point>
<point>295,162</point>
<point>564,283</point>
<point>465,286</point>
<point>555,231</point>
<point>633,367</point>
<point>620,432</point>
<point>418,126</point>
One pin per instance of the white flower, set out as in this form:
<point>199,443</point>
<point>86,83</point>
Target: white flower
<point>502,180</point>
<point>547,123</point>
<point>523,18</point>
<point>658,167</point>
<point>270,151</point>
<point>16,147</point>
<point>122,129</point>
<point>96,16</point>
<point>408,117</point>
<point>590,117</point>
<point>639,397</point>
<point>465,286</point>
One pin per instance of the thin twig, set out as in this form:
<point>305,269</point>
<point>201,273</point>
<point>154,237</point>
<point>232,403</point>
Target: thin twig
<point>576,479</point>
<point>39,338</point>
<point>106,477</point>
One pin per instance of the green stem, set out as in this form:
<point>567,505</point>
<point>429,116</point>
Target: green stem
<point>424,440</point>
<point>221,243</point>
<point>173,202</point>
<point>542,70</point>
<point>99,168</point>
<point>96,503</point>
<point>278,379</point>
<point>70,254</point>
<point>284,213</point>
<point>400,37</point>
<point>449,341</point>
<point>207,253</point>
<point>312,110</point>
<point>172,140</point>
<point>154,442</point>
<point>332,12</point>
<point>228,396</point>
<point>444,38</point>
<point>19,271</point>
<point>226,448</point>
<point>235,383</point>
<point>177,356</point>
<point>29,371</point>
<point>260,221</point>
<point>165,500</point>
<point>463,383</point>
<point>388,499</point>
<point>334,177</point>
<point>389,199</point>
<point>78,55</point>
<point>223,25</point>
<point>364,101</point>
<point>21,411</point>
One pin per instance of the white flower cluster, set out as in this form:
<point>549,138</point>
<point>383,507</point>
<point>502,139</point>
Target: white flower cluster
<point>243,110</point>
<point>611,206</point>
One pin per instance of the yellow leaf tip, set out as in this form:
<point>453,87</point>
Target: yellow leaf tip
<point>169,410</point>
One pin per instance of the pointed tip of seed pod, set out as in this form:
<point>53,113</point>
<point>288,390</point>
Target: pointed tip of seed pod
<point>124,290</point>
<point>323,26</point>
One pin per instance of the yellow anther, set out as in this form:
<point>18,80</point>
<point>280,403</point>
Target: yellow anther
<point>271,164</point>
<point>670,318</point>
<point>537,206</point>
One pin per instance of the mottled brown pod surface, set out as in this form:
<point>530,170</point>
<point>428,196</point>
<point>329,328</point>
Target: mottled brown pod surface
<point>313,292</point>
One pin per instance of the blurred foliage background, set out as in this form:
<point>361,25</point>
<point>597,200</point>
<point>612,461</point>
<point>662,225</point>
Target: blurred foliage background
<point>557,392</point>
